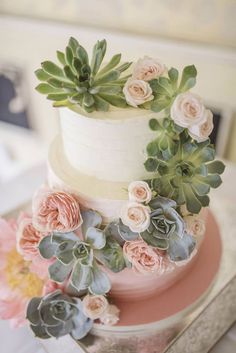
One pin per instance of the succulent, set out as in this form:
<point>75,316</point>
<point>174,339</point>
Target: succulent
<point>78,81</point>
<point>75,257</point>
<point>185,169</point>
<point>165,89</point>
<point>56,315</point>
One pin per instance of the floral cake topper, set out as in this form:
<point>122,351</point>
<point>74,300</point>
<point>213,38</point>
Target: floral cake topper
<point>55,262</point>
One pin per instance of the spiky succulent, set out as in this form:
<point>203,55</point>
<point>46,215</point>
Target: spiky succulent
<point>56,315</point>
<point>78,81</point>
<point>75,257</point>
<point>185,170</point>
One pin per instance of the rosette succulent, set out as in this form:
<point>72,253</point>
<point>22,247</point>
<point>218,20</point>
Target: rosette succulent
<point>75,257</point>
<point>56,315</point>
<point>78,81</point>
<point>185,169</point>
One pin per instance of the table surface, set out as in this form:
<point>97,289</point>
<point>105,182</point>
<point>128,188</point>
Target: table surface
<point>19,191</point>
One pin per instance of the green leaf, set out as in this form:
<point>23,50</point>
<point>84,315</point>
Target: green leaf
<point>97,61</point>
<point>192,203</point>
<point>41,75</point>
<point>190,83</point>
<point>214,180</point>
<point>47,248</point>
<point>69,73</point>
<point>173,75</point>
<point>180,248</point>
<point>123,67</point>
<point>82,55</point>
<point>126,233</point>
<point>117,101</point>
<point>59,272</point>
<point>61,57</point>
<point>215,167</point>
<point>154,124</point>
<point>88,99</point>
<point>111,255</point>
<point>64,103</point>
<point>73,44</point>
<point>151,165</point>
<point>166,86</point>
<point>100,282</point>
<point>81,277</point>
<point>69,56</point>
<point>52,69</point>
<point>77,64</point>
<point>107,89</point>
<point>95,237</point>
<point>159,104</point>
<point>64,252</point>
<point>155,242</point>
<point>90,219</point>
<point>101,104</point>
<point>112,63</point>
<point>57,96</point>
<point>108,77</point>
<point>152,149</point>
<point>32,313</point>
<point>60,84</point>
<point>189,72</point>
<point>44,88</point>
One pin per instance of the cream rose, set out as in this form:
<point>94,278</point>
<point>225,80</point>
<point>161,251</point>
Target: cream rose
<point>148,68</point>
<point>137,92</point>
<point>94,306</point>
<point>201,132</point>
<point>195,225</point>
<point>144,258</point>
<point>136,216</point>
<point>110,316</point>
<point>139,191</point>
<point>188,110</point>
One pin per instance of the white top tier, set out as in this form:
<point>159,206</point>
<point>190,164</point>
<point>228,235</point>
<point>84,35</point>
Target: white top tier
<point>108,145</point>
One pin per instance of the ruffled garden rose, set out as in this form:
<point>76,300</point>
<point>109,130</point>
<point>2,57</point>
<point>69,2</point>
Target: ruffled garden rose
<point>139,191</point>
<point>111,315</point>
<point>195,225</point>
<point>136,216</point>
<point>188,110</point>
<point>148,68</point>
<point>137,92</point>
<point>201,132</point>
<point>144,258</point>
<point>55,210</point>
<point>94,306</point>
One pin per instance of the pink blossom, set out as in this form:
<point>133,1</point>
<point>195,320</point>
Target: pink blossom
<point>55,210</point>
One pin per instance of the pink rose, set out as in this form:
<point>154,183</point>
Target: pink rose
<point>135,216</point>
<point>111,315</point>
<point>201,132</point>
<point>144,258</point>
<point>147,69</point>
<point>94,306</point>
<point>55,210</point>
<point>139,191</point>
<point>137,92</point>
<point>195,225</point>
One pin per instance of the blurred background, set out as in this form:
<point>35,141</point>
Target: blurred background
<point>178,32</point>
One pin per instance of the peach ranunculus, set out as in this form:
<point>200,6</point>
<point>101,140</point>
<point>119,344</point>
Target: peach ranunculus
<point>195,225</point>
<point>94,306</point>
<point>111,315</point>
<point>144,258</point>
<point>201,132</point>
<point>136,216</point>
<point>148,68</point>
<point>137,92</point>
<point>18,283</point>
<point>55,210</point>
<point>188,110</point>
<point>139,191</point>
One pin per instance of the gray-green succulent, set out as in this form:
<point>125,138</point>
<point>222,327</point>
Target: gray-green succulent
<point>56,315</point>
<point>75,257</point>
<point>185,169</point>
<point>78,81</point>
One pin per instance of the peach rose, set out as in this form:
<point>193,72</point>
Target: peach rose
<point>188,110</point>
<point>195,225</point>
<point>94,306</point>
<point>55,210</point>
<point>201,132</point>
<point>144,258</point>
<point>137,92</point>
<point>148,68</point>
<point>135,216</point>
<point>139,191</point>
<point>111,315</point>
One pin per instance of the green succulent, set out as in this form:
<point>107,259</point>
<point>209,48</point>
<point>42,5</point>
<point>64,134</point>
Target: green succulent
<point>56,315</point>
<point>185,169</point>
<point>75,257</point>
<point>78,81</point>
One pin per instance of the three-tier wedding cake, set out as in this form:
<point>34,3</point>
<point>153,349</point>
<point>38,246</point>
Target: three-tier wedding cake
<point>122,215</point>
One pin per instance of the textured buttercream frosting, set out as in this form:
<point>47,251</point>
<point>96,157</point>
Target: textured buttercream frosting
<point>108,145</point>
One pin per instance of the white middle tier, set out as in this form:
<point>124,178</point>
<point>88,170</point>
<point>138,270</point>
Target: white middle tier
<point>108,145</point>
